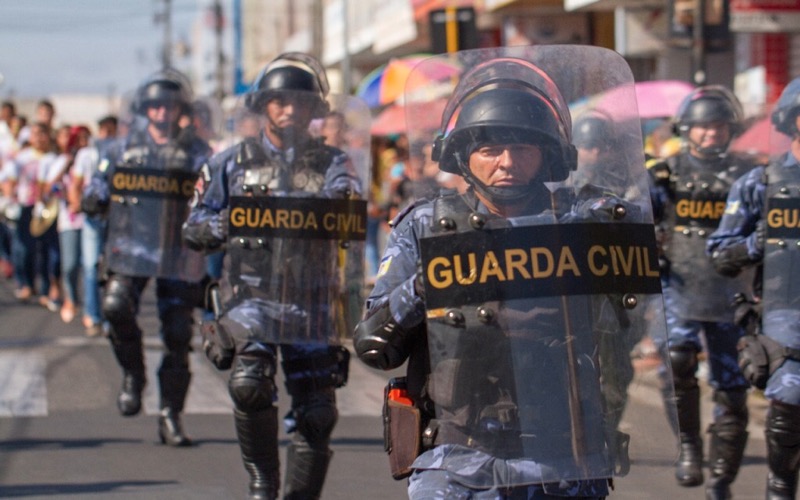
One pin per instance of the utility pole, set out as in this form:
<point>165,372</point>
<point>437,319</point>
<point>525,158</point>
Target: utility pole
<point>347,78</point>
<point>699,44</point>
<point>166,18</point>
<point>316,28</point>
<point>219,92</point>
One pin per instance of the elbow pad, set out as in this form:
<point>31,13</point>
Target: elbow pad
<point>731,260</point>
<point>379,341</point>
<point>208,235</point>
<point>199,237</point>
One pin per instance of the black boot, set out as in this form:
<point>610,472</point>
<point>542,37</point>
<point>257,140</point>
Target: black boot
<point>306,469</point>
<point>783,450</point>
<point>174,385</point>
<point>725,456</point>
<point>689,471</point>
<point>258,440</point>
<point>129,400</point>
<point>170,429</point>
<point>728,440</point>
<point>130,358</point>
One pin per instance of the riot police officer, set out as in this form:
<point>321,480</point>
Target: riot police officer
<point>280,281</point>
<point>144,182</point>
<point>484,408</point>
<point>690,189</point>
<point>758,230</point>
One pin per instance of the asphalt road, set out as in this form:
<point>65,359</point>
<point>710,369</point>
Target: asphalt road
<point>61,435</point>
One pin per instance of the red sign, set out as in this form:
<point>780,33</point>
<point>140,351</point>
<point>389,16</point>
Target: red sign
<point>770,5</point>
<point>765,16</point>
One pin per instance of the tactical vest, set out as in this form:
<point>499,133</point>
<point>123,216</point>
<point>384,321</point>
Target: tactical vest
<point>699,194</point>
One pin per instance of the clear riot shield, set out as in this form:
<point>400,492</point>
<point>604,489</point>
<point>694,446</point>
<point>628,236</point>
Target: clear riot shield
<point>781,290</point>
<point>151,186</point>
<point>532,318</point>
<point>294,268</point>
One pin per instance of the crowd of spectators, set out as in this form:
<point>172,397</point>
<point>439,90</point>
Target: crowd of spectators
<point>47,245</point>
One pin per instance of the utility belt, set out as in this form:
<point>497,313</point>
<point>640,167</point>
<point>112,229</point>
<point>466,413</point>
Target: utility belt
<point>330,369</point>
<point>407,433</point>
<point>759,355</point>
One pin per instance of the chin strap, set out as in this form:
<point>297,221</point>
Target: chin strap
<point>500,196</point>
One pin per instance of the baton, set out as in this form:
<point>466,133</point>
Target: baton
<point>577,434</point>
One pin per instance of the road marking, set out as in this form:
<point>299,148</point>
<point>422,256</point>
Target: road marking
<point>23,387</point>
<point>23,392</point>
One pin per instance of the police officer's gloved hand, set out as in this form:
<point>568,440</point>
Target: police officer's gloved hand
<point>761,235</point>
<point>731,260</point>
<point>419,286</point>
<point>92,205</point>
<point>219,225</point>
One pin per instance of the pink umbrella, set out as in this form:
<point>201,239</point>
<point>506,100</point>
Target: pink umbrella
<point>761,139</point>
<point>655,98</point>
<point>661,98</point>
<point>392,120</point>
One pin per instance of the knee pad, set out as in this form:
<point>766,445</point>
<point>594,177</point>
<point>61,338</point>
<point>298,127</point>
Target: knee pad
<point>316,416</point>
<point>782,430</point>
<point>119,305</point>
<point>684,367</point>
<point>783,424</point>
<point>252,383</point>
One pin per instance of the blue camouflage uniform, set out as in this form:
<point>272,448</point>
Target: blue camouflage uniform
<point>176,295</point>
<point>312,369</point>
<point>744,210</point>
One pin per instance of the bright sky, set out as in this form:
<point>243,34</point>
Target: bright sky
<point>85,46</point>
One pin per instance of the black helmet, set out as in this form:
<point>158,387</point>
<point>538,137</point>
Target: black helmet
<point>784,116</point>
<point>290,72</point>
<point>593,130</point>
<point>167,86</point>
<point>506,101</point>
<point>708,104</point>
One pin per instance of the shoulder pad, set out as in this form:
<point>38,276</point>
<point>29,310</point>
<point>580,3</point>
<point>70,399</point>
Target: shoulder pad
<point>405,211</point>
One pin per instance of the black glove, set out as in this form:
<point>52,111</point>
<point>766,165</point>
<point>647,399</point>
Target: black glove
<point>730,261</point>
<point>92,205</point>
<point>219,227</point>
<point>761,234</point>
<point>419,285</point>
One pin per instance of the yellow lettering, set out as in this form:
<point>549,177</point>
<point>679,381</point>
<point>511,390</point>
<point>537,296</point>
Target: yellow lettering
<point>267,219</point>
<point>601,269</point>
<point>459,270</point>
<point>491,267</point>
<point>566,262</point>
<point>282,218</point>
<point>328,221</point>
<point>237,217</point>
<point>543,253</point>
<point>440,278</point>
<point>516,258</point>
<point>311,221</point>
